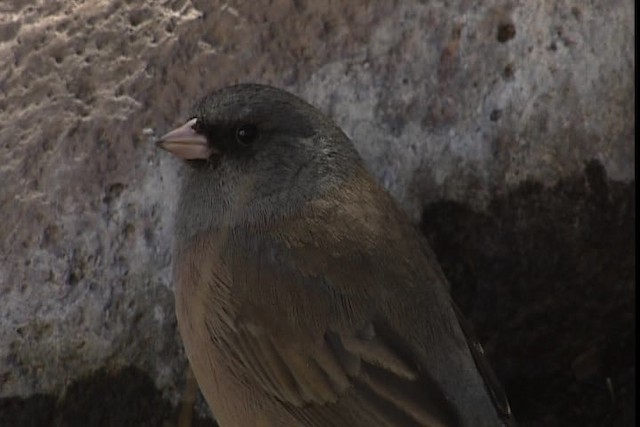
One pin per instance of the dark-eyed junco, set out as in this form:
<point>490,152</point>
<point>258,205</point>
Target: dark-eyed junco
<point>304,296</point>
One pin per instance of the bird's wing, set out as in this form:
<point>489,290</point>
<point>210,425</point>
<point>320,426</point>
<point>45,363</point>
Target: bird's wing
<point>352,324</point>
<point>497,394</point>
<point>314,331</point>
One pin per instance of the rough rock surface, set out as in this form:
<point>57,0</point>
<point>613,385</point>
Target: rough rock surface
<point>506,128</point>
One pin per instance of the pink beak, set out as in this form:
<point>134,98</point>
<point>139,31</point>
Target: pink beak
<point>186,143</point>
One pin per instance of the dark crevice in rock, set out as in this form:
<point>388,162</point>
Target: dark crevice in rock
<point>547,276</point>
<point>35,411</point>
<point>123,398</point>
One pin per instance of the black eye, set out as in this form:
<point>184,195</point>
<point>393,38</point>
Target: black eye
<point>245,134</point>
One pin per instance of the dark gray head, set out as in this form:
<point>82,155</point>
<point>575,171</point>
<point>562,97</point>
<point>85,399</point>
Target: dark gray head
<point>254,152</point>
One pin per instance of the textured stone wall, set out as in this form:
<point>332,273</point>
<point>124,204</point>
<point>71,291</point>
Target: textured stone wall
<point>505,129</point>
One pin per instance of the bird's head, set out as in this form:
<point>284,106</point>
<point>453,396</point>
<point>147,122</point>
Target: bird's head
<point>262,147</point>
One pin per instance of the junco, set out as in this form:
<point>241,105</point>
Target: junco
<point>304,296</point>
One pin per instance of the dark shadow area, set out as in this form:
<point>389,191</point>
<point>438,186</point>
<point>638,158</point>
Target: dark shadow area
<point>34,411</point>
<point>547,276</point>
<point>124,398</point>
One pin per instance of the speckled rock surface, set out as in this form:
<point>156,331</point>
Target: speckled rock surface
<point>505,128</point>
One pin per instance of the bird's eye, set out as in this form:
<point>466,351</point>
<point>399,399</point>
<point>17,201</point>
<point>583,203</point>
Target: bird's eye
<point>246,134</point>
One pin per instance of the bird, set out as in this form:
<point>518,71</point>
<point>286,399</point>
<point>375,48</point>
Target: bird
<point>303,293</point>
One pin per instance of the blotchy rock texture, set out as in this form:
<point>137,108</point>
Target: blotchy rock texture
<point>504,128</point>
